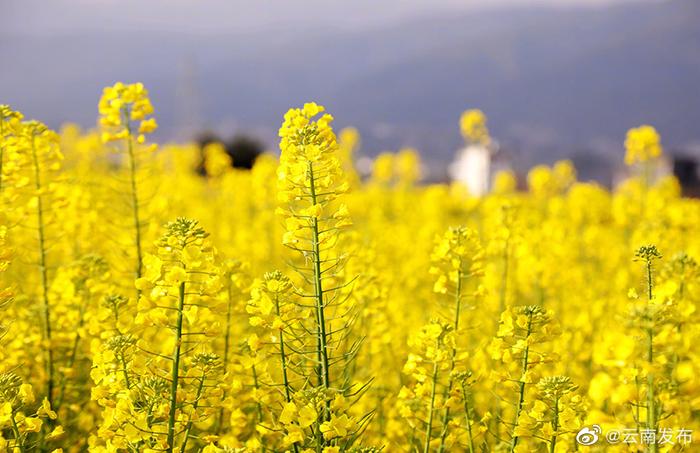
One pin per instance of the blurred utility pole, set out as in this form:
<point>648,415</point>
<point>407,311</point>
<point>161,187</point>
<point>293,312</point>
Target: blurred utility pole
<point>188,101</point>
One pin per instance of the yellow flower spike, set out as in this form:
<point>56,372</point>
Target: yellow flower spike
<point>642,144</point>
<point>407,166</point>
<point>541,181</point>
<point>383,168</point>
<point>504,182</point>
<point>472,123</point>
<point>217,161</point>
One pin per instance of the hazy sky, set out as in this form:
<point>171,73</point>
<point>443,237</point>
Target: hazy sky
<point>558,79</point>
<point>204,16</point>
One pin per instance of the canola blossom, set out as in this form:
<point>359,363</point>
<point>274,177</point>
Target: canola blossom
<point>298,307</point>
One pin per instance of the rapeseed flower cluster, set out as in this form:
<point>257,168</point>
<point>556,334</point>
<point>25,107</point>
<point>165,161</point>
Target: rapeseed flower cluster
<point>431,320</point>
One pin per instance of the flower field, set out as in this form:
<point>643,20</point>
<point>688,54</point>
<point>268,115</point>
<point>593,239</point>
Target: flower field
<point>299,308</point>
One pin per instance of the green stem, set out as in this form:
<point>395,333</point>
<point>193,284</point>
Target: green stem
<point>227,343</point>
<point>468,418</point>
<point>122,360</point>
<point>555,426</point>
<point>494,426</point>
<point>318,292</point>
<point>429,427</point>
<point>521,385</point>
<point>458,306</point>
<point>124,370</point>
<point>651,403</point>
<point>283,356</point>
<point>227,337</point>
<point>283,359</point>
<point>650,283</point>
<point>175,372</point>
<point>44,274</point>
<point>134,195</point>
<point>195,405</point>
<point>74,351</point>
<point>18,435</point>
<point>256,384</point>
<point>638,405</point>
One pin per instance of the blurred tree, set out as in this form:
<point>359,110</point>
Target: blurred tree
<point>242,148</point>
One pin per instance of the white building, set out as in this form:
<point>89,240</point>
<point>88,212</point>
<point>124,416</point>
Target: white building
<point>472,167</point>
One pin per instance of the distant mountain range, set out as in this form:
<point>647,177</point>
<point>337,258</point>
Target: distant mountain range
<point>553,82</point>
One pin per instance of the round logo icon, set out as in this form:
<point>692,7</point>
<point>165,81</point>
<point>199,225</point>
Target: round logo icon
<point>588,436</point>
